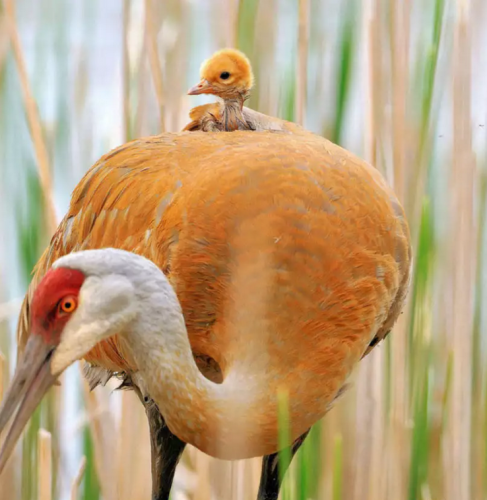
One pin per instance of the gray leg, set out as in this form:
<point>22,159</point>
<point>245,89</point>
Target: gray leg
<point>166,450</point>
<point>270,481</point>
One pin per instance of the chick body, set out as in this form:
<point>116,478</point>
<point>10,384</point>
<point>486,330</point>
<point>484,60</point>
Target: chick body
<point>228,75</point>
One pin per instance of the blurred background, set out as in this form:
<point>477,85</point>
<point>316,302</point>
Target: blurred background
<point>401,83</point>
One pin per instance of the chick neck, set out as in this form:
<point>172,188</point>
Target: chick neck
<point>232,113</point>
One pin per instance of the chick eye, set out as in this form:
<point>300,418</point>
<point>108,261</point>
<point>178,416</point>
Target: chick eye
<point>225,75</point>
<point>68,304</point>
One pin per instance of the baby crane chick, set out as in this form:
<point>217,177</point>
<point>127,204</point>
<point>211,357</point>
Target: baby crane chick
<point>228,75</point>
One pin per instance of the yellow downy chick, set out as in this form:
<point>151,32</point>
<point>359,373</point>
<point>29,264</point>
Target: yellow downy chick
<point>228,75</point>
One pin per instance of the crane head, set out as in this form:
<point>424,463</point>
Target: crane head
<point>73,308</point>
<point>226,74</point>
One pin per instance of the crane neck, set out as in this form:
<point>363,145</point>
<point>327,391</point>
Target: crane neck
<point>200,412</point>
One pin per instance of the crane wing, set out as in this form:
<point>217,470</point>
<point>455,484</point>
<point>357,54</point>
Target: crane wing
<point>106,211</point>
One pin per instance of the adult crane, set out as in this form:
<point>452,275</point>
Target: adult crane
<point>277,258</point>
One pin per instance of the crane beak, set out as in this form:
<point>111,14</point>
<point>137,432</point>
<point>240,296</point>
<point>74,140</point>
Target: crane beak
<point>204,87</point>
<point>31,381</point>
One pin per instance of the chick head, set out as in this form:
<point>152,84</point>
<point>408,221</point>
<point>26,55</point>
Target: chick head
<point>226,74</point>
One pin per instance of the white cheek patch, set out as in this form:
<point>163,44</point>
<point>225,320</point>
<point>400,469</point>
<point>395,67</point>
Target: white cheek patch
<point>106,306</point>
<point>101,297</point>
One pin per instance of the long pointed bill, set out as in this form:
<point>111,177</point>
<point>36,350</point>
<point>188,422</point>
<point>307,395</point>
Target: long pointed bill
<point>204,87</point>
<point>31,381</point>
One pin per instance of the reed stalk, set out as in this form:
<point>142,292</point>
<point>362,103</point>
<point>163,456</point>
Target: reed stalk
<point>44,461</point>
<point>75,485</point>
<point>462,245</point>
<point>302,73</point>
<point>154,63</point>
<point>33,117</point>
<point>126,72</point>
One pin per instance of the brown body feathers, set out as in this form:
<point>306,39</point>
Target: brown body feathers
<point>290,232</point>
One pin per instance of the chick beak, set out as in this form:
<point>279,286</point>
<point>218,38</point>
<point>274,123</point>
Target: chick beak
<point>204,87</point>
<point>31,381</point>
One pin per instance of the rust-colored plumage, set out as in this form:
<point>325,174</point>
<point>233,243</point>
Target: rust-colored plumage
<point>280,234</point>
<point>228,75</point>
<point>209,113</point>
<point>290,260</point>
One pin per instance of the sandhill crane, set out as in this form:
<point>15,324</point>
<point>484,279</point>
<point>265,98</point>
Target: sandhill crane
<point>234,89</point>
<point>226,74</point>
<point>287,256</point>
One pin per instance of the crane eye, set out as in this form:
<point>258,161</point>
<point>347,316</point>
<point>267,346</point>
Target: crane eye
<point>68,304</point>
<point>225,75</point>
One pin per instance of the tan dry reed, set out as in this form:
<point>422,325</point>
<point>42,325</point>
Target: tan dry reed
<point>154,62</point>
<point>33,118</point>
<point>462,259</point>
<point>302,69</point>
<point>75,485</point>
<point>44,461</point>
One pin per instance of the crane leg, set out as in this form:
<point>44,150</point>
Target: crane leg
<point>270,482</point>
<point>166,450</point>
